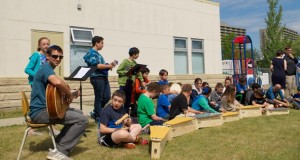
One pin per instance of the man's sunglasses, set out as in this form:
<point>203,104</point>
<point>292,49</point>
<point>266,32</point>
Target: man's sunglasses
<point>56,56</point>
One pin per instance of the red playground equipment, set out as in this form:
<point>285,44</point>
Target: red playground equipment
<point>242,66</point>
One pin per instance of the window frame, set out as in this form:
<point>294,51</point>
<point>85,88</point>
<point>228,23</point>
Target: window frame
<point>72,29</point>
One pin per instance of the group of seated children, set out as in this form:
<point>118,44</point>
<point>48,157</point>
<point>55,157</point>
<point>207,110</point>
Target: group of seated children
<point>191,100</point>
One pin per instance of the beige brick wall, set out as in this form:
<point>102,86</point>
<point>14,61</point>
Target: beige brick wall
<point>10,87</point>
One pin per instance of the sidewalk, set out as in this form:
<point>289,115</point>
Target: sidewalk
<point>20,120</point>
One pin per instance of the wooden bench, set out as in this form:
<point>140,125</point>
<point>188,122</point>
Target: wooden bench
<point>230,116</point>
<point>159,136</point>
<point>276,111</point>
<point>180,126</point>
<point>250,111</point>
<point>208,120</point>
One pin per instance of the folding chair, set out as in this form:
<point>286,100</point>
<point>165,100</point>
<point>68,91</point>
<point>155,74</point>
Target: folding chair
<point>30,125</point>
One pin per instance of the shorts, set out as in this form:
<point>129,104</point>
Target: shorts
<point>107,141</point>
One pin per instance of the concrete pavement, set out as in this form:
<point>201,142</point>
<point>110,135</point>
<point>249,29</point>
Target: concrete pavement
<point>20,120</point>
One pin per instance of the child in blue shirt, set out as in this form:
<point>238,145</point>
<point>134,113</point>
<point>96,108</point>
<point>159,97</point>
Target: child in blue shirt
<point>296,98</point>
<point>240,89</point>
<point>201,103</point>
<point>163,104</point>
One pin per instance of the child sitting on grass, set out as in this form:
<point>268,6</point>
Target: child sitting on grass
<point>180,105</point>
<point>228,101</point>
<point>146,111</point>
<point>296,97</point>
<point>257,98</point>
<point>202,104</point>
<point>115,135</point>
<point>163,104</point>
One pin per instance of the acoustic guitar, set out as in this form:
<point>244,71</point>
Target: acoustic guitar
<point>56,101</point>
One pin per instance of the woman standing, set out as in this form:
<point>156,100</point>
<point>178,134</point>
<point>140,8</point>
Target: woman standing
<point>278,68</point>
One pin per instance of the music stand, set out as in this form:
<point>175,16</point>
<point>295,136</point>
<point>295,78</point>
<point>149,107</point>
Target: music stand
<point>135,69</point>
<point>81,73</point>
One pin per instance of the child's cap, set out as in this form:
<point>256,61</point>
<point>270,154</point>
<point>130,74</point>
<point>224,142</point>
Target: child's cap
<point>298,88</point>
<point>206,90</point>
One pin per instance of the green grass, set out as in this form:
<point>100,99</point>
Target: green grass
<point>10,113</point>
<point>266,137</point>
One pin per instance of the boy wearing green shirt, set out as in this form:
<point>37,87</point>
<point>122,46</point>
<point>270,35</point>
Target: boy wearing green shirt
<point>146,111</point>
<point>126,81</point>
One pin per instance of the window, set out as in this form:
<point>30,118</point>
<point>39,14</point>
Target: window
<point>81,39</point>
<point>197,56</point>
<point>82,35</point>
<point>180,56</point>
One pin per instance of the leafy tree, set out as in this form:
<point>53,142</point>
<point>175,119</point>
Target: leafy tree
<point>227,46</point>
<point>296,46</point>
<point>274,33</point>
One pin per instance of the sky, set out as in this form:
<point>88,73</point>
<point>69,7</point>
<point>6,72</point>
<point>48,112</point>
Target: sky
<point>251,14</point>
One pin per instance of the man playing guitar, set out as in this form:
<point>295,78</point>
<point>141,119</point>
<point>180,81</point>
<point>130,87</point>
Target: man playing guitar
<point>73,120</point>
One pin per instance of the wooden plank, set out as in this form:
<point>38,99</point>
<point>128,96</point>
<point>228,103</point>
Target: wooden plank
<point>277,111</point>
<point>181,125</point>
<point>208,120</point>
<point>159,138</point>
<point>230,116</point>
<point>250,111</point>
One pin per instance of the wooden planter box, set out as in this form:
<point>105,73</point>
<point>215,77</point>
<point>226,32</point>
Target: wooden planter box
<point>208,120</point>
<point>159,136</point>
<point>181,125</point>
<point>230,116</point>
<point>276,111</point>
<point>250,111</point>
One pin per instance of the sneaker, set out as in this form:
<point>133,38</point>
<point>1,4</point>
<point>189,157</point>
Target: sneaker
<point>54,154</point>
<point>129,145</point>
<point>141,141</point>
<point>92,115</point>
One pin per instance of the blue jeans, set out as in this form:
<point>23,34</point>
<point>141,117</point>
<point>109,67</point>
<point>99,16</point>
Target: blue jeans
<point>102,93</point>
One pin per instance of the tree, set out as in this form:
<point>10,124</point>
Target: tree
<point>227,46</point>
<point>274,33</point>
<point>296,46</point>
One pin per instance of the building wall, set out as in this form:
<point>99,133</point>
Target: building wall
<point>147,24</point>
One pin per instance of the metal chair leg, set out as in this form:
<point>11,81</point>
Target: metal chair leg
<point>52,136</point>
<point>24,139</point>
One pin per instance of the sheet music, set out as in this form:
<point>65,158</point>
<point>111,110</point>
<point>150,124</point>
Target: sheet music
<point>81,72</point>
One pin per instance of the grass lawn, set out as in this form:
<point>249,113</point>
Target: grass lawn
<point>12,113</point>
<point>267,137</point>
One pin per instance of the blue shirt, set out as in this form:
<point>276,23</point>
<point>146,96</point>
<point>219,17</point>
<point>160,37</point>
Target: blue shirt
<point>162,106</point>
<point>93,58</point>
<point>163,82</point>
<point>201,104</point>
<point>38,93</point>
<point>35,61</point>
<point>240,88</point>
<point>297,96</point>
<point>109,116</point>
<point>273,95</point>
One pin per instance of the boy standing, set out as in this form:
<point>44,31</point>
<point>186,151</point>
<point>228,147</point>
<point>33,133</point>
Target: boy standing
<point>111,134</point>
<point>126,81</point>
<point>99,79</point>
<point>146,112</point>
